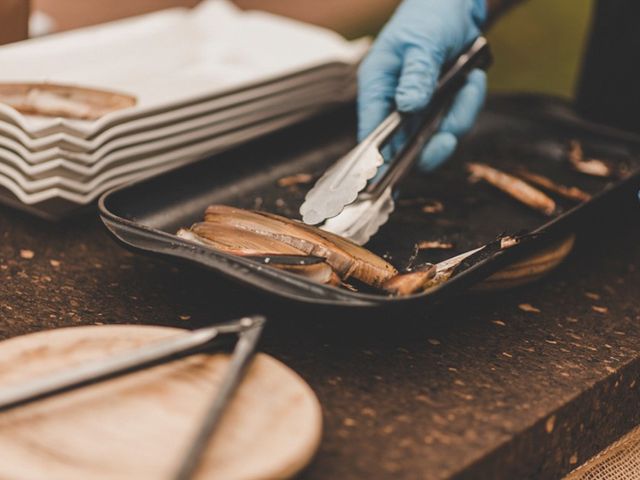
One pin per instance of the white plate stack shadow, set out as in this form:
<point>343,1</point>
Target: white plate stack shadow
<point>87,110</point>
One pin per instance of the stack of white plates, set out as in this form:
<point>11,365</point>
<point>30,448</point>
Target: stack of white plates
<point>87,110</point>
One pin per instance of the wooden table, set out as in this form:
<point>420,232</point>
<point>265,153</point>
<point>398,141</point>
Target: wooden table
<point>483,389</point>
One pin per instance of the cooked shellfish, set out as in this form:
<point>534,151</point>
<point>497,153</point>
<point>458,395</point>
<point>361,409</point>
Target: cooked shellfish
<point>347,259</point>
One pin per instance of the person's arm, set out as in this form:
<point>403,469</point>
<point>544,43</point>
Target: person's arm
<point>14,20</point>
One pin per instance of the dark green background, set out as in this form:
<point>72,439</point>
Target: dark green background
<point>538,46</point>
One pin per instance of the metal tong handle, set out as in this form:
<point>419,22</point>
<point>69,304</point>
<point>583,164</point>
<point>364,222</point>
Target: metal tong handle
<point>382,132</point>
<point>243,353</point>
<point>477,55</point>
<point>162,351</point>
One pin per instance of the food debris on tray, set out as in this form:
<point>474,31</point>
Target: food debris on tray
<point>527,307</point>
<point>410,283</point>
<point>446,268</point>
<point>434,245</point>
<point>508,242</point>
<point>429,206</point>
<point>588,166</point>
<point>433,207</point>
<point>293,180</point>
<point>571,193</point>
<point>513,186</point>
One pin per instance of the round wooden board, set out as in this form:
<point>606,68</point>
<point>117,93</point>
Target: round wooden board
<point>139,425</point>
<point>532,268</point>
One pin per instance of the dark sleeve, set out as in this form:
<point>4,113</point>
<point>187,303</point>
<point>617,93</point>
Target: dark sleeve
<point>609,87</point>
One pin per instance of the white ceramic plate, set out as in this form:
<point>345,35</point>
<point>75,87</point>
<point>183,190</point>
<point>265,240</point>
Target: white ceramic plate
<point>159,126</point>
<point>50,146</point>
<point>55,197</point>
<point>66,174</point>
<point>168,59</point>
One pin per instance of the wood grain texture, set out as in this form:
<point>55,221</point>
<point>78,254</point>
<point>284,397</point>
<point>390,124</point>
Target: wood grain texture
<point>138,426</point>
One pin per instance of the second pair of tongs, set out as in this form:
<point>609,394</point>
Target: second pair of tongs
<point>345,200</point>
<point>163,351</point>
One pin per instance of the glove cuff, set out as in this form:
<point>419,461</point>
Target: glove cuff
<point>480,12</point>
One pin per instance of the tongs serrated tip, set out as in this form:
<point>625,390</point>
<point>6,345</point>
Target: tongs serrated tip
<point>345,179</point>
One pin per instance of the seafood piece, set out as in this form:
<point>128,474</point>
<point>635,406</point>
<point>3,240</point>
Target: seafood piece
<point>434,245</point>
<point>527,307</point>
<point>508,242</point>
<point>445,269</point>
<point>297,179</point>
<point>318,272</point>
<point>591,166</point>
<point>572,193</point>
<point>53,100</point>
<point>264,249</point>
<point>408,283</point>
<point>433,207</point>
<point>513,186</point>
<point>234,242</point>
<point>347,259</point>
<point>311,268</point>
<point>369,268</point>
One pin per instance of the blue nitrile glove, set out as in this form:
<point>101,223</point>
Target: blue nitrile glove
<point>404,64</point>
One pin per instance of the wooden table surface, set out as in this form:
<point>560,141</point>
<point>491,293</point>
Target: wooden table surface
<point>482,389</point>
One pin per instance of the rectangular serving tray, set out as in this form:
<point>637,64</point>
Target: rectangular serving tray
<point>513,131</point>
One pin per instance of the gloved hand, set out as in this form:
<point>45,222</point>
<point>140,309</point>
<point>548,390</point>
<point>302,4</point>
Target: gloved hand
<point>402,69</point>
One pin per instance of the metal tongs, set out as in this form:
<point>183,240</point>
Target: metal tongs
<point>345,200</point>
<point>175,347</point>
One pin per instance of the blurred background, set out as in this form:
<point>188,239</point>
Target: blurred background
<point>538,45</point>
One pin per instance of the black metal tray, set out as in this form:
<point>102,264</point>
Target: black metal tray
<point>512,131</point>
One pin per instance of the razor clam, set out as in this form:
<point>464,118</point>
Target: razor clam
<point>347,259</point>
<point>235,242</point>
<point>367,262</point>
<point>319,272</point>
<point>264,249</point>
<point>513,186</point>
<point>67,101</point>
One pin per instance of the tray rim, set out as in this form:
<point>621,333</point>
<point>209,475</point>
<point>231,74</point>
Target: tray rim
<point>546,233</point>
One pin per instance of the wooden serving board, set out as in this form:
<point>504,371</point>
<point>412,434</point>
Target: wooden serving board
<point>532,268</point>
<point>139,425</point>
